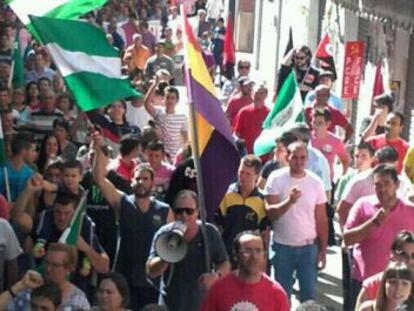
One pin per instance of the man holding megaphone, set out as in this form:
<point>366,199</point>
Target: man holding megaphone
<point>178,252</point>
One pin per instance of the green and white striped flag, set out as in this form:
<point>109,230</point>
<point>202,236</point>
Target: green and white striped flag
<point>71,234</point>
<point>64,9</point>
<point>287,110</point>
<point>90,66</point>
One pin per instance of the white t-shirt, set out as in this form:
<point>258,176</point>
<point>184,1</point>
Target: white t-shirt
<point>362,185</point>
<point>298,224</point>
<point>173,127</point>
<point>9,241</point>
<point>137,116</point>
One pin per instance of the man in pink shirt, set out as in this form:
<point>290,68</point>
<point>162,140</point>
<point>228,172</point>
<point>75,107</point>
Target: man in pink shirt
<point>372,224</point>
<point>163,171</point>
<point>393,128</point>
<point>240,100</point>
<point>326,142</point>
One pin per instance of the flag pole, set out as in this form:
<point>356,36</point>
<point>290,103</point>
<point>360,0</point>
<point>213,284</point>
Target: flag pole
<point>200,185</point>
<point>6,174</point>
<point>195,151</point>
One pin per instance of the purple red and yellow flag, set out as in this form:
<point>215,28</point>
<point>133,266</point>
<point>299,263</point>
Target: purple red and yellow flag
<point>218,154</point>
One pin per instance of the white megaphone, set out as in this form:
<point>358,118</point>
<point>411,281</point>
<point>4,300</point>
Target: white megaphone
<point>170,245</point>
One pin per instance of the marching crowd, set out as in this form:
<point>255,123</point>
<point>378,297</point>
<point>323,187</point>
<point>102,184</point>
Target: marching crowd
<point>131,165</point>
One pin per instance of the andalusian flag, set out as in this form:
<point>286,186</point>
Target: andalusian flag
<point>89,65</point>
<point>287,110</point>
<point>18,64</point>
<point>218,154</point>
<point>64,9</point>
<point>71,234</point>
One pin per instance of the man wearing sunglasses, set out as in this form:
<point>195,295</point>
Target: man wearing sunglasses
<point>299,59</point>
<point>184,282</point>
<point>139,216</point>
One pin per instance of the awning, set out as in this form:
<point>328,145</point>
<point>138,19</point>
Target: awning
<point>398,12</point>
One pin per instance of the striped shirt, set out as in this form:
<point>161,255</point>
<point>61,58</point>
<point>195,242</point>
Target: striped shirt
<point>172,126</point>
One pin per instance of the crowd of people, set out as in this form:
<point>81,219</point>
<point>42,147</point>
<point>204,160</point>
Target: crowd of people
<point>131,164</point>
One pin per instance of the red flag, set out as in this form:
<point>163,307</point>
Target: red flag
<point>378,88</point>
<point>324,53</point>
<point>378,82</point>
<point>229,52</point>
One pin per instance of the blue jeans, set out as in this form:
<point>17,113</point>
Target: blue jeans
<point>304,261</point>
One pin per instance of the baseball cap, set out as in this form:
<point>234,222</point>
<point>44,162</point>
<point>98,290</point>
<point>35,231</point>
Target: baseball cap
<point>326,73</point>
<point>245,81</point>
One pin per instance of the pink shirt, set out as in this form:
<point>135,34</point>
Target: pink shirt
<point>162,177</point>
<point>371,254</point>
<point>331,146</point>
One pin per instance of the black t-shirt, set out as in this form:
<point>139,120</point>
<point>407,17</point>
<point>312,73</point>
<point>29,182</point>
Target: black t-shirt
<point>99,211</point>
<point>137,230</point>
<point>184,177</point>
<point>183,292</point>
<point>269,167</point>
<point>310,83</point>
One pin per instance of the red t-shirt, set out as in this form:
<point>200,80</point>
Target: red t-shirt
<point>337,118</point>
<point>124,170</point>
<point>399,144</point>
<point>236,103</point>
<point>372,285</point>
<point>248,124</point>
<point>230,293</point>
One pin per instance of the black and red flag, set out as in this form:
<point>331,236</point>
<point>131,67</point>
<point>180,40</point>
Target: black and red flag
<point>324,53</point>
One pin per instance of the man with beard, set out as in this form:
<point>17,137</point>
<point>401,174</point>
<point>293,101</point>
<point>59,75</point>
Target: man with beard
<point>248,287</point>
<point>139,218</point>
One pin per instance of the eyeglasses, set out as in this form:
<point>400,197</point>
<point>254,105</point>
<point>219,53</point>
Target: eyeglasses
<point>53,264</point>
<point>251,251</point>
<point>181,210</point>
<point>404,255</point>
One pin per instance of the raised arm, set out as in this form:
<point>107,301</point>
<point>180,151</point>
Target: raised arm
<point>111,194</point>
<point>19,213</point>
<point>149,96</point>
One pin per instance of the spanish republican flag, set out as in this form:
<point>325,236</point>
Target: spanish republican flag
<point>218,154</point>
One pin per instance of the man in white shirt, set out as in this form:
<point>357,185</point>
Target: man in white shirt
<point>9,251</point>
<point>299,221</point>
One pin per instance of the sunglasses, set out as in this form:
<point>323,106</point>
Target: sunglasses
<point>181,210</point>
<point>405,255</point>
<point>244,67</point>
